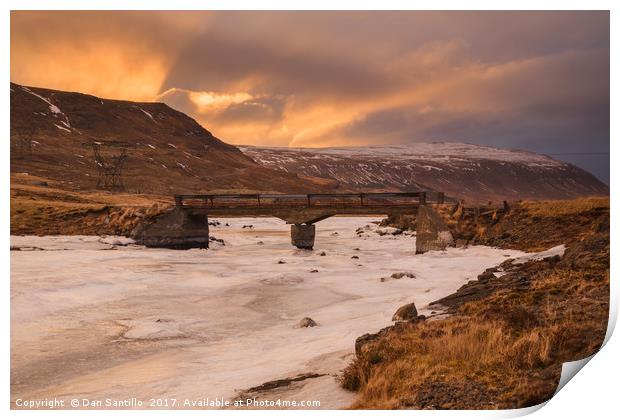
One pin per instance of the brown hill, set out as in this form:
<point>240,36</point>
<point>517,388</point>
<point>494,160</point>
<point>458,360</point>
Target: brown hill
<point>52,133</point>
<point>465,171</point>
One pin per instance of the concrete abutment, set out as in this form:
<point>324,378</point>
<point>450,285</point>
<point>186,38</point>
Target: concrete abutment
<point>432,232</point>
<point>176,229</point>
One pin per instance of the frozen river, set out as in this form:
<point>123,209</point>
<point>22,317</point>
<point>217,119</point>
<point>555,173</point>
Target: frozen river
<point>94,320</point>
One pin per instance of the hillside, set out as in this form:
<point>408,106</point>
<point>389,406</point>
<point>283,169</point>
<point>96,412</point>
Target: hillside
<point>52,133</point>
<point>464,171</point>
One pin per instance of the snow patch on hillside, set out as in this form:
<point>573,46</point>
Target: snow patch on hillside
<point>53,108</point>
<point>438,152</point>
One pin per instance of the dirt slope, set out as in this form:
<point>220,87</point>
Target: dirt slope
<point>52,132</point>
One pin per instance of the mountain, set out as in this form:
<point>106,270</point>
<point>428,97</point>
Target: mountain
<point>464,171</point>
<point>53,132</point>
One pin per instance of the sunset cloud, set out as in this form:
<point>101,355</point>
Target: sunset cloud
<point>534,80</point>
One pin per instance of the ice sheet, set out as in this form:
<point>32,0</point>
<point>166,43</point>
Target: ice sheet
<point>89,321</point>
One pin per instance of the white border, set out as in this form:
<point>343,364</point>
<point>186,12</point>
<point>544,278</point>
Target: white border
<point>592,394</point>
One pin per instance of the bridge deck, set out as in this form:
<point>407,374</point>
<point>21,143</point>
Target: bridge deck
<point>307,208</point>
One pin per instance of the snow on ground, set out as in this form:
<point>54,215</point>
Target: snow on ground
<point>53,108</point>
<point>148,114</point>
<point>92,319</point>
<point>62,128</point>
<point>436,151</point>
<point>537,256</point>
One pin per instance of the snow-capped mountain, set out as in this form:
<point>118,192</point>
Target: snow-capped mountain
<point>464,171</point>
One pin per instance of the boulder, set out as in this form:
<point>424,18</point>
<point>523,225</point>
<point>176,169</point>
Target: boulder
<point>306,322</point>
<point>406,313</point>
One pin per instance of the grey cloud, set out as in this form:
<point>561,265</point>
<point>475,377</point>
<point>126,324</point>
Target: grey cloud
<point>262,110</point>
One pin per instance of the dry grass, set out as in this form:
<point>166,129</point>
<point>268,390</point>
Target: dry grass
<point>449,352</point>
<point>565,207</point>
<point>40,206</point>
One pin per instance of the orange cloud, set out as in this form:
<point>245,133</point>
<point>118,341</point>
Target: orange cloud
<point>125,55</point>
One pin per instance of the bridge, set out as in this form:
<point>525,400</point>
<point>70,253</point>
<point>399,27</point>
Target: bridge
<point>186,226</point>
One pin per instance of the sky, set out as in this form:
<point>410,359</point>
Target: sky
<point>537,80</point>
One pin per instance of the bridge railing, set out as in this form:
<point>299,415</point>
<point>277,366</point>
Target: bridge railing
<point>223,201</point>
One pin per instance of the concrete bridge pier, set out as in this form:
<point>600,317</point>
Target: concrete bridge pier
<point>302,235</point>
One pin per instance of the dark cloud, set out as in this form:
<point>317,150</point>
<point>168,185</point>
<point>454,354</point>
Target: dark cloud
<point>214,62</point>
<point>266,110</point>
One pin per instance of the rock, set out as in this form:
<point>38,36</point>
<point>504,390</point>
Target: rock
<point>362,341</point>
<point>406,313</point>
<point>306,322</point>
<point>461,243</point>
<point>403,274</point>
<point>322,254</point>
<point>281,262</point>
<point>214,239</point>
<point>314,270</point>
<point>260,243</point>
<point>355,257</point>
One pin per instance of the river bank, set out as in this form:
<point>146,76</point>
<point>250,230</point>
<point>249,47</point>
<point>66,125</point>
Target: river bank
<point>511,328</point>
